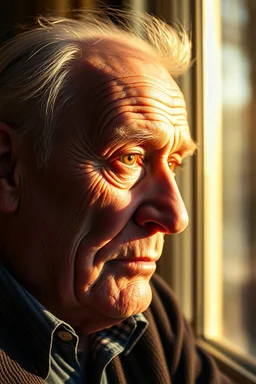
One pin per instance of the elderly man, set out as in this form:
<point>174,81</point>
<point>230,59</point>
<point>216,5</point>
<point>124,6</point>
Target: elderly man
<point>92,128</point>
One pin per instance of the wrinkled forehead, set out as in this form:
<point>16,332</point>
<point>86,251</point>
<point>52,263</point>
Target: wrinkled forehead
<point>116,61</point>
<point>119,81</point>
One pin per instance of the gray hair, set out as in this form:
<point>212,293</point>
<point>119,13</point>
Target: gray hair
<point>35,65</point>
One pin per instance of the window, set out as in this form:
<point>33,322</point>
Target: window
<point>226,262</point>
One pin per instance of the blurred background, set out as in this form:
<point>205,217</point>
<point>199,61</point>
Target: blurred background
<point>212,265</point>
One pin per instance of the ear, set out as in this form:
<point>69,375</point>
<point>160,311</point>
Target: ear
<point>8,188</point>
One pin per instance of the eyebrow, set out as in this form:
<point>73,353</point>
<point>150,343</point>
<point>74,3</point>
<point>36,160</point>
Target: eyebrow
<point>187,147</point>
<point>130,134</point>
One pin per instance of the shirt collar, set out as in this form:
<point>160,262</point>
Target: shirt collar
<point>30,324</point>
<point>120,338</point>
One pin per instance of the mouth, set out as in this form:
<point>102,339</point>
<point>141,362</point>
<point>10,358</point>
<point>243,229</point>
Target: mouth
<point>135,265</point>
<point>144,259</point>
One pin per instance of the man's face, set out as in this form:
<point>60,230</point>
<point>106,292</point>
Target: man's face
<point>109,194</point>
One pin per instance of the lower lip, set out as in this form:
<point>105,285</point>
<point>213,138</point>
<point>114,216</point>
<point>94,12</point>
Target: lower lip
<point>136,266</point>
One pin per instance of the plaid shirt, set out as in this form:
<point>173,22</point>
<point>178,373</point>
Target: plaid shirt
<point>111,342</point>
<point>57,341</point>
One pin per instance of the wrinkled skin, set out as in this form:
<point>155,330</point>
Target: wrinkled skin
<point>90,229</point>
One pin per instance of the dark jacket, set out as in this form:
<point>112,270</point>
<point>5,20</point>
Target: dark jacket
<point>166,353</point>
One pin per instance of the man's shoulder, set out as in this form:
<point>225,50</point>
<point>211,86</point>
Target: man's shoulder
<point>185,359</point>
<point>164,302</point>
<point>13,372</point>
<point>13,365</point>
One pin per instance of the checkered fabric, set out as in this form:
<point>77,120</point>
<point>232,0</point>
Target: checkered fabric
<point>121,338</point>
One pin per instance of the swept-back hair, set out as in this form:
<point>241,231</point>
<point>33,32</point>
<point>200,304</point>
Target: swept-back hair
<point>35,65</point>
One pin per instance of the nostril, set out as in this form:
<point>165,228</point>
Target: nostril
<point>165,216</point>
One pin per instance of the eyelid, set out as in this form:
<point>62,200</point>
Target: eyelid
<point>175,161</point>
<point>175,157</point>
<point>177,165</point>
<point>129,150</point>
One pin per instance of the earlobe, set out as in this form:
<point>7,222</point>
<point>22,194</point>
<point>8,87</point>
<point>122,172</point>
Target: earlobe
<point>8,187</point>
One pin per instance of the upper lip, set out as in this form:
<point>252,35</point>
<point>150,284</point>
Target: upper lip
<point>139,258</point>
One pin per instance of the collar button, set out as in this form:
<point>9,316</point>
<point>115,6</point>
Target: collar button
<point>65,336</point>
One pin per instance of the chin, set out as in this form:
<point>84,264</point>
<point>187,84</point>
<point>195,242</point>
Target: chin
<point>121,290</point>
<point>111,300</point>
<point>125,298</point>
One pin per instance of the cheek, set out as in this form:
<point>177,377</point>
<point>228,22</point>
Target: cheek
<point>106,214</point>
<point>108,210</point>
<point>98,192</point>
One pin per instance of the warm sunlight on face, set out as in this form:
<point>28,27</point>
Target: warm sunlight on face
<point>112,182</point>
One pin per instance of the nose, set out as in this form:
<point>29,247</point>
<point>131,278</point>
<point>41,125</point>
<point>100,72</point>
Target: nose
<point>162,205</point>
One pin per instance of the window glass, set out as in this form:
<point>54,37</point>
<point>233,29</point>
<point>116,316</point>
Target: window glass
<point>239,176</point>
<point>229,174</point>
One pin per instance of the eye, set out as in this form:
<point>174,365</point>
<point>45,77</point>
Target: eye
<point>129,159</point>
<point>173,165</point>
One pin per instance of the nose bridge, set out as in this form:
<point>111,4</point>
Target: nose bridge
<point>163,204</point>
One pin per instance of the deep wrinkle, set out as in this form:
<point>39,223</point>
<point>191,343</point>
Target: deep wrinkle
<point>139,104</point>
<point>138,134</point>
